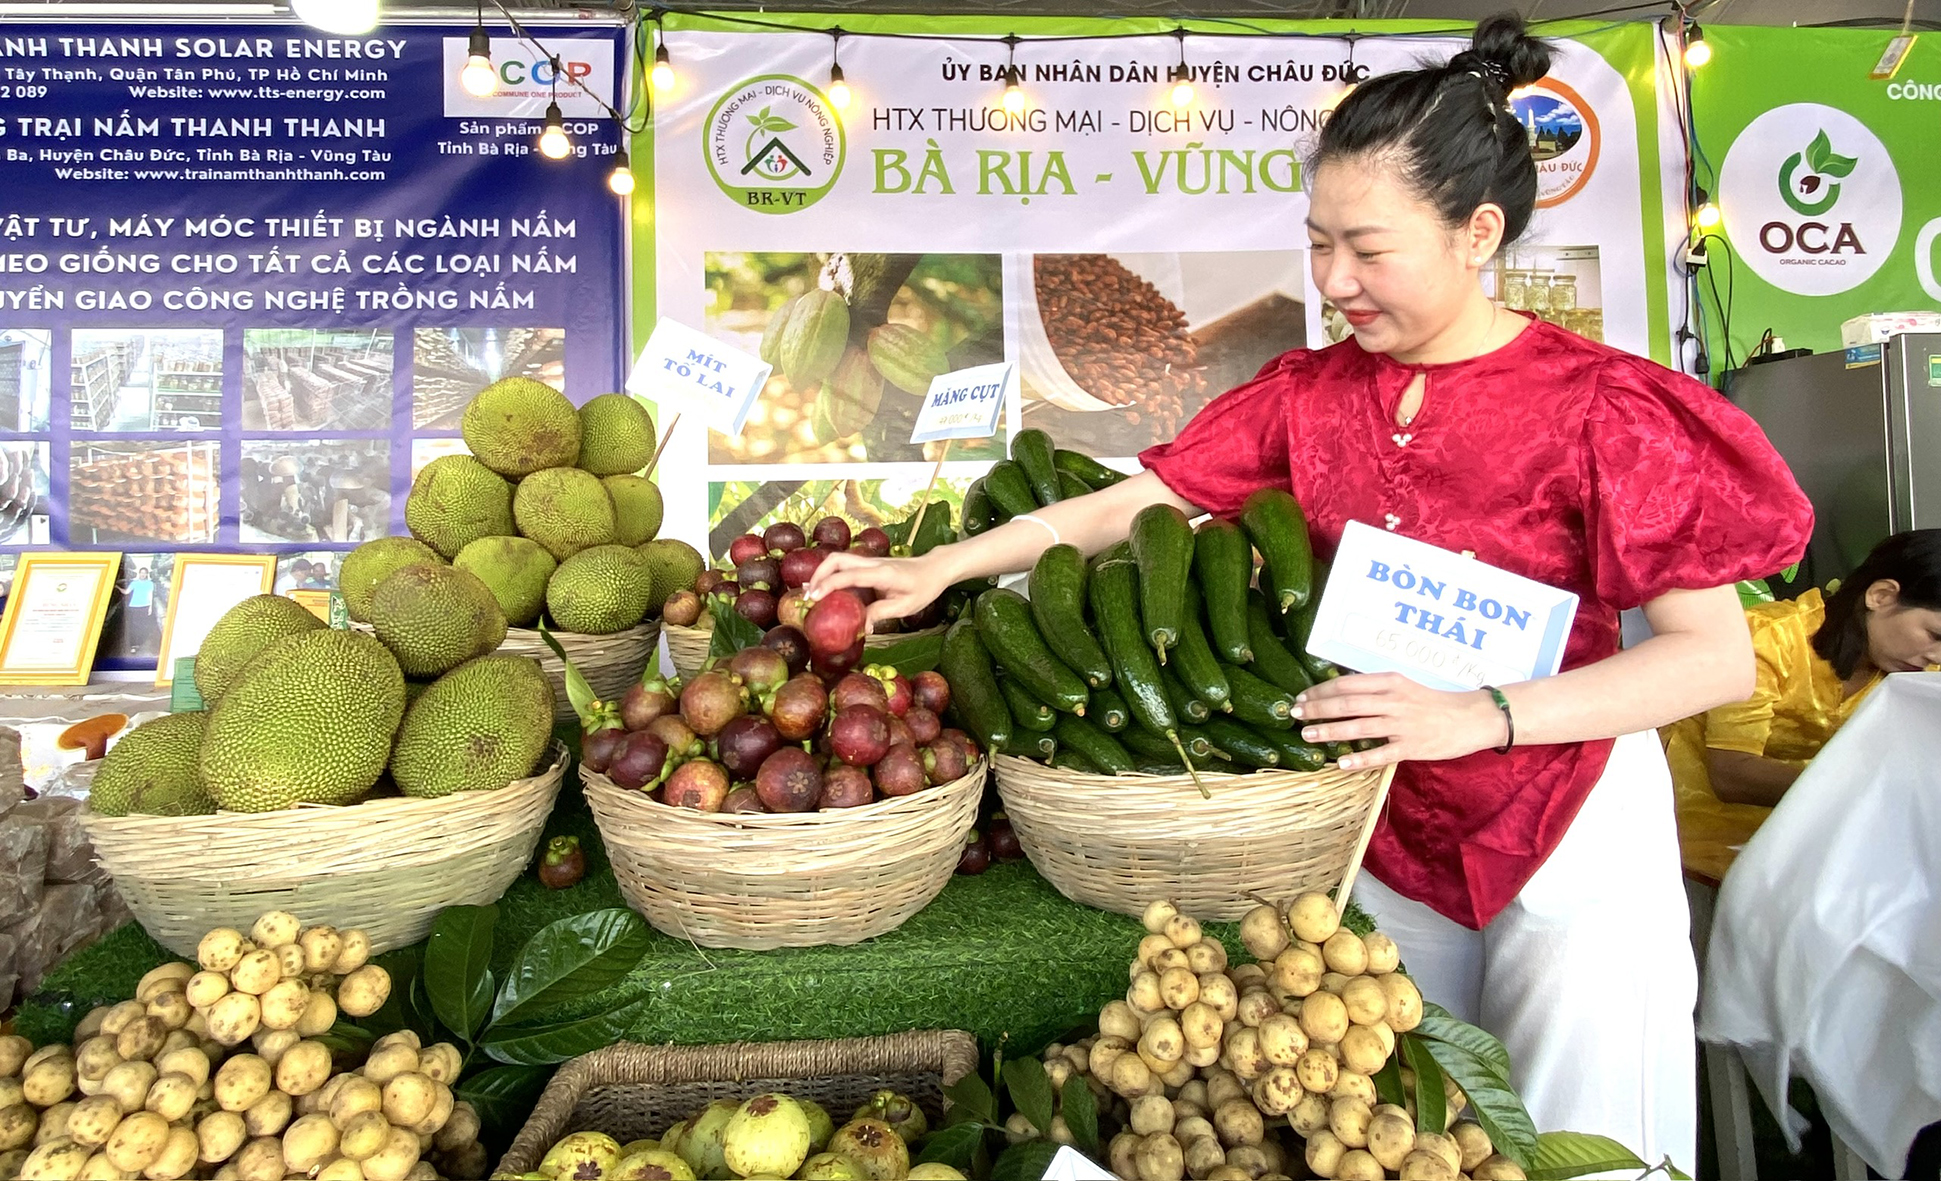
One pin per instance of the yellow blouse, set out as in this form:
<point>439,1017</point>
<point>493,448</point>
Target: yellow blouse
<point>1795,707</point>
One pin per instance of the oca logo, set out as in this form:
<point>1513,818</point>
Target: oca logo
<point>1811,199</point>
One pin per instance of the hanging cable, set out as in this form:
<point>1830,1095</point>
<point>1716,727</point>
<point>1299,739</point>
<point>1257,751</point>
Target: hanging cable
<point>1013,96</point>
<point>838,89</point>
<point>478,77</point>
<point>663,64</point>
<point>553,142</point>
<point>1182,78</point>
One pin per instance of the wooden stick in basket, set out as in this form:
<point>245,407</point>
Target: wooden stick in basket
<point>1361,844</point>
<point>916,519</point>
<point>664,437</point>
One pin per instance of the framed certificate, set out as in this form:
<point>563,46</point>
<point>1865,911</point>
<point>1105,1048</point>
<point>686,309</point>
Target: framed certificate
<point>54,617</point>
<point>205,586</point>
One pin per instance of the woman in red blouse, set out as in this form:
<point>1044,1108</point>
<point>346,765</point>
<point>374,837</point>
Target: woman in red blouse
<point>1534,890</point>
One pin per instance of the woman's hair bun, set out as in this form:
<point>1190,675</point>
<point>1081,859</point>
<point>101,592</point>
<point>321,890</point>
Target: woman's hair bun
<point>1502,40</point>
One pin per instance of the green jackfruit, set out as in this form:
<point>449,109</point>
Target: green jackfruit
<point>242,632</point>
<point>310,721</point>
<point>515,569</point>
<point>435,618</point>
<point>373,562</point>
<point>600,590</point>
<point>151,770</point>
<point>479,727</point>
<point>674,564</point>
<point>455,501</point>
<point>516,426</point>
<point>637,509</point>
<point>616,435</point>
<point>565,510</point>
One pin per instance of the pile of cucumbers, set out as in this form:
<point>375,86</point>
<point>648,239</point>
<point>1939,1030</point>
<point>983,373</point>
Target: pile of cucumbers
<point>1158,655</point>
<point>1037,474</point>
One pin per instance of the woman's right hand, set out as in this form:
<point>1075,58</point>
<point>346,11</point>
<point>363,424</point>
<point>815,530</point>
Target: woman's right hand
<point>904,586</point>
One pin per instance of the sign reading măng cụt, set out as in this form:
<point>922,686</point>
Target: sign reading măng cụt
<point>965,404</point>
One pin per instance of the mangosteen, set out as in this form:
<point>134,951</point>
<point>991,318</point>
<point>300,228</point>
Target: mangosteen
<point>924,725</point>
<point>725,591</point>
<point>929,616</point>
<point>646,701</point>
<point>836,622</point>
<point>711,701</point>
<point>791,643</point>
<point>832,533</point>
<point>798,707</point>
<point>683,607</point>
<point>760,573</point>
<point>860,735</point>
<point>872,541</point>
<point>798,566</point>
<point>976,857</point>
<point>697,784</point>
<point>1004,838</point>
<point>931,691</point>
<point>789,780</point>
<point>639,762</point>
<point>858,689</point>
<point>564,863</point>
<point>844,786</point>
<point>901,695</point>
<point>944,761</point>
<point>745,742</point>
<point>900,772</point>
<point>900,734</point>
<point>682,742</point>
<point>760,668</point>
<point>792,609</point>
<point>784,537</point>
<point>757,607</point>
<point>743,799</point>
<point>747,546</point>
<point>963,740</point>
<point>832,667</point>
<point>707,580</point>
<point>598,747</point>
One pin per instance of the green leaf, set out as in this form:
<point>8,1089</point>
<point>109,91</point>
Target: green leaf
<point>1818,151</point>
<point>1024,1162</point>
<point>1388,1082</point>
<point>1439,1024</point>
<point>1496,1106</point>
<point>536,1044</point>
<point>1431,1101</point>
<point>1753,592</point>
<point>1789,573</point>
<point>504,1095</point>
<point>1838,165</point>
<point>732,632</point>
<point>345,1038</point>
<point>1030,1090</point>
<point>1081,1111</point>
<point>973,1095</point>
<point>1562,1155</point>
<point>909,657</point>
<point>570,960</point>
<point>952,1145</point>
<point>403,966</point>
<point>578,691</point>
<point>458,976</point>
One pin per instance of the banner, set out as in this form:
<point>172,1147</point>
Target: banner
<point>251,274</point>
<point>1828,180</point>
<point>1134,257</point>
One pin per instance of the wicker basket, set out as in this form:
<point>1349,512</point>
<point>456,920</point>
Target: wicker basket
<point>630,1091</point>
<point>801,879</point>
<point>1118,842</point>
<point>688,646</point>
<point>610,663</point>
<point>387,865</point>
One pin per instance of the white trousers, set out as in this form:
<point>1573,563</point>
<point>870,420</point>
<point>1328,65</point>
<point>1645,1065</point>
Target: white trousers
<point>1587,976</point>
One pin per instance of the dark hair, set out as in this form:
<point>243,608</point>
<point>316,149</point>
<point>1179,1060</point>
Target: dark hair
<point>1449,129</point>
<point>1912,560</point>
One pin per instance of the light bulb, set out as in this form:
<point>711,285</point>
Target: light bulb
<point>1708,216</point>
<point>1697,52</point>
<point>621,179</point>
<point>663,69</point>
<point>478,78</point>
<point>553,143</point>
<point>1183,93</point>
<point>838,89</point>
<point>1013,96</point>
<point>346,18</point>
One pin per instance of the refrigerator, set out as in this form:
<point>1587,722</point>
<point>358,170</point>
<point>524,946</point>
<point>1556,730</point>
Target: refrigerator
<point>1861,430</point>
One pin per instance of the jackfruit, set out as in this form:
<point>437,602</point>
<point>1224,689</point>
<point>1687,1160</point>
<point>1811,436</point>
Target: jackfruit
<point>616,435</point>
<point>516,426</point>
<point>310,721</point>
<point>637,509</point>
<point>565,510</point>
<point>435,618</point>
<point>242,632</point>
<point>515,570</point>
<point>600,590</point>
<point>151,771</point>
<point>373,562</point>
<point>675,565</point>
<point>479,727</point>
<point>455,501</point>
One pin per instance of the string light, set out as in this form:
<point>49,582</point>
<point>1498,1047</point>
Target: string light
<point>346,18</point>
<point>838,89</point>
<point>1183,87</point>
<point>1697,52</point>
<point>663,73</point>
<point>1013,96</point>
<point>621,179</point>
<point>478,78</point>
<point>1708,215</point>
<point>553,143</point>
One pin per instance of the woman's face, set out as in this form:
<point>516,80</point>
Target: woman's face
<point>1900,638</point>
<point>1385,257</point>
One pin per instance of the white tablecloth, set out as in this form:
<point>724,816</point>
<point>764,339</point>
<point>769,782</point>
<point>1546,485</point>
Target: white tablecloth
<point>1825,959</point>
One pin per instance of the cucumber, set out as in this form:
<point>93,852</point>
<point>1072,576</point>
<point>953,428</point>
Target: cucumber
<point>1257,702</point>
<point>1095,744</point>
<point>1162,545</point>
<point>1300,625</point>
<point>1199,747</point>
<point>1146,744</point>
<point>1071,760</point>
<point>1296,755</point>
<point>1009,489</point>
<point>1242,743</point>
<point>1109,710</point>
<point>1026,744</point>
<point>1157,766</point>
<point>1271,659</point>
<point>1118,551</point>
<point>1194,660</point>
<point>979,514</point>
<point>974,694</point>
<point>1057,586</point>
<point>1186,704</point>
<point>1027,711</point>
<point>1274,522</point>
<point>1004,624</point>
<point>1223,560</point>
<point>1031,450</point>
<point>1091,472</point>
<point>1114,594</point>
<point>1072,486</point>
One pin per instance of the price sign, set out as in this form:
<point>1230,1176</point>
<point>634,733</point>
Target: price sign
<point>965,404</point>
<point>696,374</point>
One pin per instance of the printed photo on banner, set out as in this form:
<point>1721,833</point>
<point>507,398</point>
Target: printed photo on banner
<point>23,494</point>
<point>317,379</point>
<point>132,635</point>
<point>309,570</point>
<point>1121,350</point>
<point>143,491</point>
<point>736,507</point>
<point>315,490</point>
<point>1563,285</point>
<point>450,365</point>
<point>855,340</point>
<point>146,379</point>
<point>24,378</point>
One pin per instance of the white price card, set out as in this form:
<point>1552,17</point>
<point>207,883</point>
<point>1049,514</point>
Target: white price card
<point>693,373</point>
<point>1394,604</point>
<point>1071,1165</point>
<point>966,403</point>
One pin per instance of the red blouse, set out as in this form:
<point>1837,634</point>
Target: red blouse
<point>1554,457</point>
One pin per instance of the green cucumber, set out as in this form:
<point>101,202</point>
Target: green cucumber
<point>1095,744</point>
<point>1118,551</point>
<point>1072,486</point>
<point>1198,745</point>
<point>1194,660</point>
<point>1274,522</point>
<point>1145,744</point>
<point>1162,545</point>
<point>1070,760</point>
<point>1009,488</point>
<point>1004,624</point>
<point>1223,560</point>
<point>1271,659</point>
<point>1296,755</point>
<point>1026,744</point>
<point>1031,450</point>
<point>979,513</point>
<point>1057,586</point>
<point>1157,766</point>
<point>966,664</point>
<point>1242,743</point>
<point>1300,625</point>
<point>1109,710</point>
<point>1114,594</point>
<point>1091,472</point>
<point>1027,711</point>
<point>1187,705</point>
<point>1257,702</point>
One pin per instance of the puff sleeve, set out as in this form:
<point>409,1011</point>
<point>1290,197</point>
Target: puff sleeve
<point>1237,444</point>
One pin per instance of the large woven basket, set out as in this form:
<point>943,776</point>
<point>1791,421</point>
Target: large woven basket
<point>784,880</point>
<point>630,1091</point>
<point>688,646</point>
<point>1118,842</point>
<point>386,865</point>
<point>610,663</point>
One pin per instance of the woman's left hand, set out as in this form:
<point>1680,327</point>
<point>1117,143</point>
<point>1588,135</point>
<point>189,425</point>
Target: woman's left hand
<point>1416,722</point>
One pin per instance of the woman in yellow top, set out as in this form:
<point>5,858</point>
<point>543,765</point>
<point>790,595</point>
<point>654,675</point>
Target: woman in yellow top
<point>1817,658</point>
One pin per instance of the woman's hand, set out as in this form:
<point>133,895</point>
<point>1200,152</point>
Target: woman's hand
<point>1416,722</point>
<point>904,586</point>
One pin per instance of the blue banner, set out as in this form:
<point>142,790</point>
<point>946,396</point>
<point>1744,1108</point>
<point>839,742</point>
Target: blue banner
<point>251,274</point>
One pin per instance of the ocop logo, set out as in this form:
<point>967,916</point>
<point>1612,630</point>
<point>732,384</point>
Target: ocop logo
<point>1564,139</point>
<point>774,144</point>
<point>1811,199</point>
